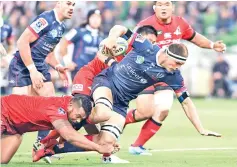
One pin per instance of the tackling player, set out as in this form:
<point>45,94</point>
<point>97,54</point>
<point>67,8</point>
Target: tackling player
<point>170,29</point>
<point>21,114</point>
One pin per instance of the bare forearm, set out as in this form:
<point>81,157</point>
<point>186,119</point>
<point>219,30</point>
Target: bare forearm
<point>117,31</point>
<point>25,53</point>
<point>190,111</point>
<point>202,41</point>
<point>51,60</point>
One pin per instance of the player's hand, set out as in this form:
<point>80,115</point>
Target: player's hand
<point>105,149</point>
<point>219,46</point>
<point>109,45</point>
<point>62,72</point>
<point>71,66</point>
<point>37,79</point>
<point>210,133</point>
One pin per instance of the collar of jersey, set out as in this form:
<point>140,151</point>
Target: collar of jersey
<point>56,16</point>
<point>92,30</point>
<point>161,23</point>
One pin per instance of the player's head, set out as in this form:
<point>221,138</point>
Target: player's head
<point>148,32</point>
<point>94,18</point>
<point>175,55</point>
<point>65,8</point>
<point>79,108</point>
<point>163,10</point>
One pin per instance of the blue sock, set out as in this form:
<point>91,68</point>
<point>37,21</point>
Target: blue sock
<point>68,147</point>
<point>42,134</point>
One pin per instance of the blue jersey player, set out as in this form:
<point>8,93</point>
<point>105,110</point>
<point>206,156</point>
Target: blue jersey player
<point>86,39</point>
<point>144,66</point>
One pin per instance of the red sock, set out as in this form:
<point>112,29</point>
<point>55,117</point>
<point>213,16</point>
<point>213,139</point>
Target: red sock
<point>130,118</point>
<point>106,155</point>
<point>147,131</point>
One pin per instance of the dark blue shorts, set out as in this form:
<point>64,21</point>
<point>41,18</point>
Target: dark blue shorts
<point>120,105</point>
<point>19,75</point>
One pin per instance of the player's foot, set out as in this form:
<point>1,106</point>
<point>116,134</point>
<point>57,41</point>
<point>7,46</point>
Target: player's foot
<point>113,160</point>
<point>43,151</point>
<point>138,150</point>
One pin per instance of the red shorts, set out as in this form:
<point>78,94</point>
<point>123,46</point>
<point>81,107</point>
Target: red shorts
<point>156,87</point>
<point>82,82</point>
<point>7,127</point>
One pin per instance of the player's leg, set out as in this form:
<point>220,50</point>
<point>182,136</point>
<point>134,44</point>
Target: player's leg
<point>9,146</point>
<point>163,100</point>
<point>143,109</point>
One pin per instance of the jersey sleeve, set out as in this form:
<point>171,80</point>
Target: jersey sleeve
<point>73,35</point>
<point>139,43</point>
<point>188,31</point>
<point>176,82</point>
<point>40,25</point>
<point>55,113</point>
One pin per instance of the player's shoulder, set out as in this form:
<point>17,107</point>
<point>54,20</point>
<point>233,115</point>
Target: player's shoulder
<point>46,17</point>
<point>147,20</point>
<point>178,19</point>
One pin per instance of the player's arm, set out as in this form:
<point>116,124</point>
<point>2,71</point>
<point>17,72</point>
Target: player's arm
<point>191,112</point>
<point>65,129</point>
<point>203,42</point>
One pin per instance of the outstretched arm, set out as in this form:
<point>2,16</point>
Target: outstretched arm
<point>65,129</point>
<point>191,112</point>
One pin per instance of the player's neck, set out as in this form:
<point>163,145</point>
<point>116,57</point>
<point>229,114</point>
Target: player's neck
<point>58,15</point>
<point>165,21</point>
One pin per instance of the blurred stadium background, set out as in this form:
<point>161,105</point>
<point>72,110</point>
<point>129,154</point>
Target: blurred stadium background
<point>217,21</point>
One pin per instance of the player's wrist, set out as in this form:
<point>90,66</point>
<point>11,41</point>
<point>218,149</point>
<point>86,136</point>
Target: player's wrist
<point>31,67</point>
<point>211,45</point>
<point>58,66</point>
<point>108,60</point>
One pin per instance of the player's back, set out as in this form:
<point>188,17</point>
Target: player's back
<point>31,113</point>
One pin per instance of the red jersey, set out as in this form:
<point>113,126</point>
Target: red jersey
<point>84,78</point>
<point>33,113</point>
<point>170,33</point>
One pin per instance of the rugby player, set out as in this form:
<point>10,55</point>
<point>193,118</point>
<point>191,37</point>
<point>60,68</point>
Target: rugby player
<point>170,29</point>
<point>21,114</point>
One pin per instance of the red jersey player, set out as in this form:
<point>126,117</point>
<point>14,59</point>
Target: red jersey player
<point>170,29</point>
<point>21,114</point>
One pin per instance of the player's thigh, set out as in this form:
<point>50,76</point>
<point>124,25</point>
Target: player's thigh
<point>24,90</point>
<point>9,146</point>
<point>111,129</point>
<point>144,105</point>
<point>163,100</point>
<point>46,90</point>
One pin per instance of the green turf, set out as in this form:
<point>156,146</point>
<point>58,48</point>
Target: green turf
<point>177,133</point>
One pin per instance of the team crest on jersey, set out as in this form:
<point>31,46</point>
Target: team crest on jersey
<point>39,25</point>
<point>140,59</point>
<point>177,31</point>
<point>77,87</point>
<point>54,33</point>
<point>159,32</point>
<point>61,111</point>
<point>87,38</point>
<point>139,38</point>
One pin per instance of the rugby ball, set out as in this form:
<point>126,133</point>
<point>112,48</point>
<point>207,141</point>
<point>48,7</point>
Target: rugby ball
<point>122,46</point>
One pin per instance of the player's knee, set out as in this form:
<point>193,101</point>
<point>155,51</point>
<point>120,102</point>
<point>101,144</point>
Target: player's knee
<point>111,133</point>
<point>146,113</point>
<point>5,160</point>
<point>163,115</point>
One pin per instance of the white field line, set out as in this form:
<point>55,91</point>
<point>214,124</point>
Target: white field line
<point>153,150</point>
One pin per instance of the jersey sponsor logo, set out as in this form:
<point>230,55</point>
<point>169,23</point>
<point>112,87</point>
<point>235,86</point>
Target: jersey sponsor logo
<point>167,35</point>
<point>39,25</point>
<point>140,38</point>
<point>133,73</point>
<point>61,111</point>
<point>177,31</point>
<point>140,59</point>
<point>77,87</point>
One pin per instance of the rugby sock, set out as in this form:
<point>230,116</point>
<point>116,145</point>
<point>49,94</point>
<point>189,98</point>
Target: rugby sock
<point>130,118</point>
<point>42,134</point>
<point>147,131</point>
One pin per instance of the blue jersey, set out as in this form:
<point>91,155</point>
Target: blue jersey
<point>6,32</point>
<point>86,42</point>
<point>49,31</point>
<point>139,70</point>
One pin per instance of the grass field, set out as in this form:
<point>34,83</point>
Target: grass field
<point>177,144</point>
